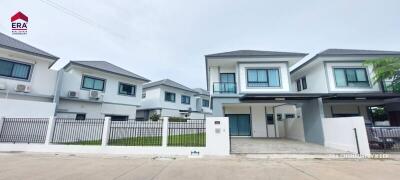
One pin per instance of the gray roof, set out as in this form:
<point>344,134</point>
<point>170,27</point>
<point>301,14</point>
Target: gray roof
<point>107,67</point>
<point>202,91</point>
<point>334,52</point>
<point>347,52</point>
<point>255,53</point>
<point>168,82</point>
<point>10,43</point>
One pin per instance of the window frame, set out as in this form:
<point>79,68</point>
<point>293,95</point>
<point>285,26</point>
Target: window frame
<point>119,89</point>
<point>182,99</point>
<point>95,78</point>
<point>202,103</point>
<point>30,71</point>
<point>298,85</point>
<point>80,119</point>
<point>303,83</point>
<point>345,69</point>
<point>267,77</point>
<point>165,97</point>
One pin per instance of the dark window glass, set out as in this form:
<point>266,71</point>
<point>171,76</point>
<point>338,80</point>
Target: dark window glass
<point>263,78</point>
<point>298,84</point>
<point>93,83</point>
<point>270,119</point>
<point>118,118</point>
<point>206,103</point>
<point>14,69</point>
<point>351,77</point>
<point>227,77</point>
<point>185,99</point>
<point>169,97</point>
<point>289,116</point>
<point>304,83</point>
<point>127,89</point>
<point>80,116</point>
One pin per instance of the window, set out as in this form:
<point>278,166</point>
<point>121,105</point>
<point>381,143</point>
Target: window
<point>351,77</point>
<point>117,118</point>
<point>169,97</point>
<point>80,117</point>
<point>206,103</point>
<point>304,83</point>
<point>289,116</point>
<point>185,99</point>
<point>227,77</point>
<point>14,70</point>
<point>298,83</point>
<point>144,95</point>
<point>263,78</point>
<point>279,117</point>
<point>270,119</point>
<point>127,89</point>
<point>93,83</point>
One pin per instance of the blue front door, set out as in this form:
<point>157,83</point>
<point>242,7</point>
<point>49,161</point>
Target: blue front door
<point>239,124</point>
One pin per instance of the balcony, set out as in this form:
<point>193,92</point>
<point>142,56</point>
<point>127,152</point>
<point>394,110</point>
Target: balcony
<point>224,88</point>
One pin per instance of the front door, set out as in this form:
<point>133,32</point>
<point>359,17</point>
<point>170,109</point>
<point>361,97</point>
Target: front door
<point>239,124</point>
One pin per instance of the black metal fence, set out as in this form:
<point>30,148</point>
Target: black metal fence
<point>135,133</point>
<point>384,139</point>
<point>78,132</point>
<point>189,133</point>
<point>24,130</point>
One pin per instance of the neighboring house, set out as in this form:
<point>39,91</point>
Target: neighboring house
<point>346,83</point>
<point>202,100</point>
<point>168,99</point>
<point>95,89</point>
<point>236,79</point>
<point>27,84</point>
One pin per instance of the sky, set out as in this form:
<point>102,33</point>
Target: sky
<point>161,39</point>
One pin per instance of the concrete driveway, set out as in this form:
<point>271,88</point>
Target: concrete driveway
<point>50,166</point>
<point>241,145</point>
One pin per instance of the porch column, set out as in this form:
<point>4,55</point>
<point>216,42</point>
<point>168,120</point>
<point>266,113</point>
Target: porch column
<point>313,114</point>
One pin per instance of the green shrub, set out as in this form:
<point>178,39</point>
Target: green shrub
<point>155,117</point>
<point>177,119</point>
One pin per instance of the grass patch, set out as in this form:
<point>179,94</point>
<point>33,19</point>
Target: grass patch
<point>188,140</point>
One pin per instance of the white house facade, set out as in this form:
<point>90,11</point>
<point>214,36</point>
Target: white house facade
<point>169,99</point>
<point>96,89</point>
<point>27,84</point>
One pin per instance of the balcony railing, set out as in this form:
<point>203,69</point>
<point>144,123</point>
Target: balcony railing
<point>224,88</point>
<point>388,87</point>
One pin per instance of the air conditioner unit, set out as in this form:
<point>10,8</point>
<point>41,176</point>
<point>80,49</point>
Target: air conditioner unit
<point>23,88</point>
<point>72,94</point>
<point>94,94</point>
<point>3,86</point>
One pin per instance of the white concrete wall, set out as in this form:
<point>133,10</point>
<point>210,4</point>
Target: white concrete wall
<point>332,82</point>
<point>315,77</point>
<point>21,108</point>
<point>42,80</point>
<point>346,108</point>
<point>294,128</point>
<point>339,134</point>
<point>258,121</point>
<point>152,99</point>
<point>283,73</point>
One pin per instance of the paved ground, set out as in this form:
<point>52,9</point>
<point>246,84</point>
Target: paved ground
<point>278,146</point>
<point>51,166</point>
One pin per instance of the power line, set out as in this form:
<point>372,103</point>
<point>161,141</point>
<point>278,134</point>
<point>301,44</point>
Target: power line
<point>80,17</point>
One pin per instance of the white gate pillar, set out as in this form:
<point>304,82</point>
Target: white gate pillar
<point>165,132</point>
<point>106,131</point>
<point>50,130</point>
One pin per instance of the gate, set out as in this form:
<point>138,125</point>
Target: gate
<point>384,139</point>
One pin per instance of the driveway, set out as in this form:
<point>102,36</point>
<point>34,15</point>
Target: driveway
<point>51,166</point>
<point>277,146</point>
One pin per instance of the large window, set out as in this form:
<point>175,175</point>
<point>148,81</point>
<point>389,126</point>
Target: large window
<point>127,89</point>
<point>93,83</point>
<point>263,78</point>
<point>351,77</point>
<point>206,103</point>
<point>14,70</point>
<point>301,84</point>
<point>185,99</point>
<point>170,97</point>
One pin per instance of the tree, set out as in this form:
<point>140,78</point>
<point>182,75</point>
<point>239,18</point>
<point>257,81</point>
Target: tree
<point>386,68</point>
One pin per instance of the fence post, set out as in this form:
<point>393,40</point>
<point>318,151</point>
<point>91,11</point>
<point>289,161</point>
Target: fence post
<point>165,132</point>
<point>106,131</point>
<point>1,123</point>
<point>50,130</point>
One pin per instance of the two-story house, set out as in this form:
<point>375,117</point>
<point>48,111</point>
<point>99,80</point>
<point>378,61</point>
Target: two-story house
<point>253,89</point>
<point>27,84</point>
<point>202,100</point>
<point>168,98</point>
<point>347,84</point>
<point>96,89</point>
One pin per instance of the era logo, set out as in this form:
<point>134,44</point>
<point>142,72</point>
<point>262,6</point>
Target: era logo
<point>19,23</point>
